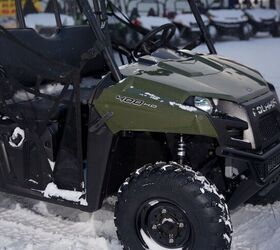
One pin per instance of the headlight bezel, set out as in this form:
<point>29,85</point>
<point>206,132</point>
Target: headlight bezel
<point>203,103</point>
<point>212,103</point>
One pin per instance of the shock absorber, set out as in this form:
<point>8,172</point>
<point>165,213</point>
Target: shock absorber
<point>181,150</point>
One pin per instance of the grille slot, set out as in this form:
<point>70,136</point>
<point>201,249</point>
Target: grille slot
<point>269,125</point>
<point>266,168</point>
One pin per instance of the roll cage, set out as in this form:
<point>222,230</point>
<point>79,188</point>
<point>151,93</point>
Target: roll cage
<point>94,17</point>
<point>38,131</point>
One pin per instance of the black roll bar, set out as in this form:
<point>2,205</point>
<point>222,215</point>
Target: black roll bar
<point>57,14</point>
<point>20,16</point>
<point>103,43</point>
<point>202,27</point>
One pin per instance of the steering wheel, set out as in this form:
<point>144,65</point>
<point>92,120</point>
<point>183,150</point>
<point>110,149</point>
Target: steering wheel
<point>154,40</point>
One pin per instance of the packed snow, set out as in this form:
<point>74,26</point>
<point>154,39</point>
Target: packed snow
<point>33,225</point>
<point>53,191</point>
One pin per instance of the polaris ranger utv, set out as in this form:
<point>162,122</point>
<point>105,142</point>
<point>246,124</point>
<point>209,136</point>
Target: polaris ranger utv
<point>178,136</point>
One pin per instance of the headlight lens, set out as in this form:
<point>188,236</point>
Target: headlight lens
<point>204,104</point>
<point>244,17</point>
<point>212,17</point>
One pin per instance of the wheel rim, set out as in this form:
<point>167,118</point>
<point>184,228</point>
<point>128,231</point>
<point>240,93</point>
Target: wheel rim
<point>166,224</point>
<point>212,31</point>
<point>246,30</point>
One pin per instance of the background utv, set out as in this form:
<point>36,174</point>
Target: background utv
<point>175,134</point>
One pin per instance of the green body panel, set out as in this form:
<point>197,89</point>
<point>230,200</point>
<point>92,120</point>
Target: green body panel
<point>150,98</point>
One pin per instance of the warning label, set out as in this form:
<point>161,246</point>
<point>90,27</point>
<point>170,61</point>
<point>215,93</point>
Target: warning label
<point>8,7</point>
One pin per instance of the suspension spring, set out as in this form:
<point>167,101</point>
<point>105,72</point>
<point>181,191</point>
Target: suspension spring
<point>181,150</point>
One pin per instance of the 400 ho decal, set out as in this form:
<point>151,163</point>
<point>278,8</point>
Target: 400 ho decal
<point>136,102</point>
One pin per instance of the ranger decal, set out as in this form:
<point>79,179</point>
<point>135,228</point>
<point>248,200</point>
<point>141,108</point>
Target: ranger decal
<point>132,101</point>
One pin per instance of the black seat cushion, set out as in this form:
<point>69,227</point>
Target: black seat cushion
<point>50,58</point>
<point>37,109</point>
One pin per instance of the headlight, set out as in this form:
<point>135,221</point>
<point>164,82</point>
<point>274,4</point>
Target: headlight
<point>204,104</point>
<point>244,17</point>
<point>212,16</point>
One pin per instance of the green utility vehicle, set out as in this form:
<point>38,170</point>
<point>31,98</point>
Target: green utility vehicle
<point>178,136</point>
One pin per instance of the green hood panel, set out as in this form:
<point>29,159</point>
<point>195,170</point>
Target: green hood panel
<point>137,106</point>
<point>150,98</point>
<point>209,76</point>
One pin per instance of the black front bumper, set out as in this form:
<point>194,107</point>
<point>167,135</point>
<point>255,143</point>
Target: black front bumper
<point>264,167</point>
<point>263,156</point>
<point>229,28</point>
<point>260,161</point>
<point>264,26</point>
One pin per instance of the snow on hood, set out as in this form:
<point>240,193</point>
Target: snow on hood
<point>47,20</point>
<point>262,14</point>
<point>189,20</point>
<point>150,22</point>
<point>227,16</point>
<point>144,7</point>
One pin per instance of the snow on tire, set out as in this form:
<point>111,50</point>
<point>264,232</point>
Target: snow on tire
<point>170,206</point>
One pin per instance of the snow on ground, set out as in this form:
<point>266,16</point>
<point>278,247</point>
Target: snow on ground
<point>28,224</point>
<point>261,53</point>
<point>32,225</point>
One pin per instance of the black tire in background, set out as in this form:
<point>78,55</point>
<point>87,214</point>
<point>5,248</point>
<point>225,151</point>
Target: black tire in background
<point>245,33</point>
<point>213,32</point>
<point>173,207</point>
<point>276,30</point>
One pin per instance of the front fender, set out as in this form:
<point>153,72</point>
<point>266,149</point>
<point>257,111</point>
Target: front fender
<point>137,110</point>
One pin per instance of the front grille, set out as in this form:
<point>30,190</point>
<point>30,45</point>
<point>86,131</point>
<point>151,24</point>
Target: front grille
<point>272,163</point>
<point>268,21</point>
<point>194,25</point>
<point>269,125</point>
<point>268,166</point>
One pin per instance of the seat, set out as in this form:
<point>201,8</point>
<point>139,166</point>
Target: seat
<point>26,55</point>
<point>37,109</point>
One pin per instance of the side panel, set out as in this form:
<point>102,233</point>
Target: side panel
<point>98,155</point>
<point>145,106</point>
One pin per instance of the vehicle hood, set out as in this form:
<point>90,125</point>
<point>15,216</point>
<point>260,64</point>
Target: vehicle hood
<point>227,16</point>
<point>188,20</point>
<point>198,75</point>
<point>151,22</point>
<point>260,15</point>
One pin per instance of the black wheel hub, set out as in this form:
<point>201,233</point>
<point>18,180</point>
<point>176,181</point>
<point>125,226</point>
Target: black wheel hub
<point>166,224</point>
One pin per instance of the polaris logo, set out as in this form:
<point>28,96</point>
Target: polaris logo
<point>262,109</point>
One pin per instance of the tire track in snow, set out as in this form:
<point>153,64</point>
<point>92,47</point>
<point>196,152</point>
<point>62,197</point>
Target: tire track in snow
<point>257,227</point>
<point>41,227</point>
<point>27,224</point>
